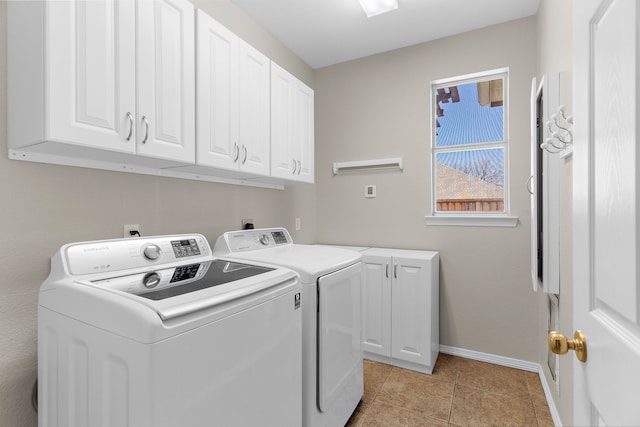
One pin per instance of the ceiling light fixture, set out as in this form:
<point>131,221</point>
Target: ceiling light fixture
<point>376,7</point>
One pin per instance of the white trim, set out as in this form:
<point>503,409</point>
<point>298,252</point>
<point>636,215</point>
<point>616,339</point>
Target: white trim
<point>472,220</point>
<point>31,156</point>
<point>469,78</point>
<point>491,358</point>
<point>504,145</point>
<point>425,369</point>
<point>511,363</point>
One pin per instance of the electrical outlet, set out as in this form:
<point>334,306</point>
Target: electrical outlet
<point>298,226</point>
<point>131,230</point>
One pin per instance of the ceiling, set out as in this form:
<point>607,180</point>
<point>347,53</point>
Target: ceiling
<point>327,32</point>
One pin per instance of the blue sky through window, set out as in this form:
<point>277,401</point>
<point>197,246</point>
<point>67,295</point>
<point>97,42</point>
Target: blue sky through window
<point>467,122</point>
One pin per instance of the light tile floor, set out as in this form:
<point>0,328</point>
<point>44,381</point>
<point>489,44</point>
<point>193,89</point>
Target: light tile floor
<point>460,393</point>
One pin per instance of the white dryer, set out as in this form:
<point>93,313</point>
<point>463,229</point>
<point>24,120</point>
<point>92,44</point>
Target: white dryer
<point>332,367</point>
<point>156,332</point>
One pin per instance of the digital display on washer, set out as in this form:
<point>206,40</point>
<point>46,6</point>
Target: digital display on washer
<point>218,272</point>
<point>183,248</point>
<point>279,237</point>
<point>185,272</point>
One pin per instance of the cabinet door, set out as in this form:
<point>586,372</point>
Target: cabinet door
<point>255,71</point>
<point>339,335</point>
<point>166,79</point>
<point>217,101</point>
<point>376,301</point>
<point>411,308</point>
<point>304,125</point>
<point>283,86</point>
<point>91,78</point>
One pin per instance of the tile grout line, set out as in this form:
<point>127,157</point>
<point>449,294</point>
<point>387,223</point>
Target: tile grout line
<point>373,398</point>
<point>455,386</point>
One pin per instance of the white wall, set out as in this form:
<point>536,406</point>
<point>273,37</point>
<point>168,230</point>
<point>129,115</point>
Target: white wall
<point>379,107</point>
<point>46,206</point>
<point>555,55</point>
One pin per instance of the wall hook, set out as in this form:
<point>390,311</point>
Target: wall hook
<point>559,128</point>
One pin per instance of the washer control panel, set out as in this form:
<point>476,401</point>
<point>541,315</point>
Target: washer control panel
<point>126,254</point>
<point>157,279</point>
<point>249,240</point>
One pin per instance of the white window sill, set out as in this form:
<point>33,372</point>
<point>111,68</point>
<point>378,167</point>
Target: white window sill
<point>472,220</point>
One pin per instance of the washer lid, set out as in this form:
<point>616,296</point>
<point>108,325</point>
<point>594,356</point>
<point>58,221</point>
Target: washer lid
<point>309,261</point>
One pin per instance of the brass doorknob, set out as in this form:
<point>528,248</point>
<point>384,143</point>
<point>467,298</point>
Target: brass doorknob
<point>559,344</point>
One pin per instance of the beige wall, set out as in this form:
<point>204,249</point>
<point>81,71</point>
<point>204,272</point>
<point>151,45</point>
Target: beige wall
<point>379,107</point>
<point>555,55</point>
<point>370,108</point>
<point>45,206</point>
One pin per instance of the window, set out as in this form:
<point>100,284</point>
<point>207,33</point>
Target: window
<point>469,146</point>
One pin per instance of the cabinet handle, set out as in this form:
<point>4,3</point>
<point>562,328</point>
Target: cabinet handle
<point>386,270</point>
<point>130,117</point>
<point>395,271</point>
<point>237,147</point>
<point>244,160</point>
<point>146,132</point>
<point>294,166</point>
<point>299,166</point>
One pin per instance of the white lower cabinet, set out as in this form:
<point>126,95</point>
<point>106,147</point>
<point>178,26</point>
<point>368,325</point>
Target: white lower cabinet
<point>400,320</point>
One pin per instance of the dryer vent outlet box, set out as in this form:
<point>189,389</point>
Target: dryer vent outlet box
<point>369,191</point>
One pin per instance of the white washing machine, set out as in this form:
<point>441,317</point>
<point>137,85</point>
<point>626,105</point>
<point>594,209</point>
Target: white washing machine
<point>332,376</point>
<point>156,332</point>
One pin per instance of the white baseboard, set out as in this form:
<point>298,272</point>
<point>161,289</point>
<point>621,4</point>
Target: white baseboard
<point>511,363</point>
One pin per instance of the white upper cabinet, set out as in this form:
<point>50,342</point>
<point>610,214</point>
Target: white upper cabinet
<point>87,74</point>
<point>87,96</point>
<point>166,79</point>
<point>292,127</point>
<point>233,101</point>
<point>111,84</point>
<point>217,101</point>
<point>304,145</point>
<point>255,110</point>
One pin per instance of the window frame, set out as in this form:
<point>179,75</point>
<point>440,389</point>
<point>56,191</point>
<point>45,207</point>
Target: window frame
<point>499,219</point>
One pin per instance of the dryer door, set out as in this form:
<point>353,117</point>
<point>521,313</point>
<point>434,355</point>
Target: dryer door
<point>339,337</point>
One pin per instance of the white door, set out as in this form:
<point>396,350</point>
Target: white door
<point>91,60</point>
<point>376,305</point>
<point>339,337</point>
<point>411,310</point>
<point>303,144</point>
<point>217,100</point>
<point>166,79</point>
<point>255,108</point>
<point>283,165</point>
<point>606,230</point>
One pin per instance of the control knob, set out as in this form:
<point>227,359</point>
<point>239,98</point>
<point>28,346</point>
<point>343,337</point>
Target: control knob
<point>151,280</point>
<point>151,252</point>
<point>264,239</point>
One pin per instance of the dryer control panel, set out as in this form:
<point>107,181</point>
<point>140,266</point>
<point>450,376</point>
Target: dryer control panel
<point>126,254</point>
<point>249,240</point>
